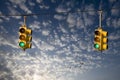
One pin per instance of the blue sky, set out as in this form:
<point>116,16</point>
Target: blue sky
<point>62,44</point>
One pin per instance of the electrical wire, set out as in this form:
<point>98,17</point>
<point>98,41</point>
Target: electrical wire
<point>52,13</point>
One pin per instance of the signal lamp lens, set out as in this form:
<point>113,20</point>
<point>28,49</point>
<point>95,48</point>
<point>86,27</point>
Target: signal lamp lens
<point>22,37</point>
<point>97,33</point>
<point>22,44</point>
<point>22,30</point>
<point>97,39</point>
<point>96,46</point>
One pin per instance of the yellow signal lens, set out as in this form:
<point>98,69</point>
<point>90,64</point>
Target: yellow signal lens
<point>22,37</point>
<point>97,39</point>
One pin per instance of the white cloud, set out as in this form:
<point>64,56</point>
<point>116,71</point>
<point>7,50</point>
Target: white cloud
<point>18,1</point>
<point>115,22</point>
<point>45,32</point>
<point>42,66</point>
<point>79,21</point>
<point>35,25</point>
<point>90,7</point>
<point>76,48</point>
<point>13,11</point>
<point>43,6</point>
<point>64,62</point>
<point>30,68</point>
<point>46,23</point>
<point>7,42</point>
<point>1,20</point>
<point>21,4</point>
<point>115,12</point>
<point>61,8</point>
<point>39,1</point>
<point>17,17</point>
<point>62,28</point>
<point>59,17</point>
<point>36,42</point>
<point>87,19</point>
<point>108,22</point>
<point>3,30</point>
<point>71,20</point>
<point>83,45</point>
<point>114,36</point>
<point>31,3</point>
<point>25,8</point>
<point>43,46</point>
<point>6,18</point>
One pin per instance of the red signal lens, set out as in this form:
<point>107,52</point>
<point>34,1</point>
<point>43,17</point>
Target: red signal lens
<point>97,33</point>
<point>22,30</point>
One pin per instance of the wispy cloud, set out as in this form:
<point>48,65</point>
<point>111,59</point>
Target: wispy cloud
<point>45,32</point>
<point>35,25</point>
<point>39,1</point>
<point>21,4</point>
<point>59,17</point>
<point>114,36</point>
<point>6,42</point>
<point>62,8</point>
<point>60,51</point>
<point>113,22</point>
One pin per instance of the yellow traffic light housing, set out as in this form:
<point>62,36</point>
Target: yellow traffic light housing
<point>25,37</point>
<point>100,39</point>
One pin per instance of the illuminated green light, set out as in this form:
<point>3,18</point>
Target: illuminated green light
<point>96,46</point>
<point>22,44</point>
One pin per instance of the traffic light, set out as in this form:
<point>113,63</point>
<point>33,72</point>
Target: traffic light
<point>97,39</point>
<point>100,40</point>
<point>25,37</point>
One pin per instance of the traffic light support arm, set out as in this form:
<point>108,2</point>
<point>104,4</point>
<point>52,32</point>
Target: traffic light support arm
<point>24,20</point>
<point>100,18</point>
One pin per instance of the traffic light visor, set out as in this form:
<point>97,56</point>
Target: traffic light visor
<point>22,44</point>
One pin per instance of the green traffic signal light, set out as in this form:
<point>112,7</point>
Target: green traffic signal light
<point>22,44</point>
<point>96,46</point>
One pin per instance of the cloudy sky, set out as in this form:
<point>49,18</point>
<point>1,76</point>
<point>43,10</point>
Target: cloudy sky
<point>62,44</point>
